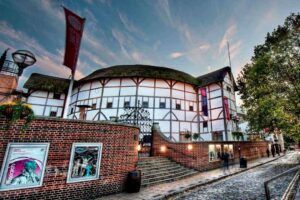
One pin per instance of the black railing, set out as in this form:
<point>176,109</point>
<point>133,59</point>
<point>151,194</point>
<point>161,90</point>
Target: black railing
<point>9,68</point>
<point>266,183</point>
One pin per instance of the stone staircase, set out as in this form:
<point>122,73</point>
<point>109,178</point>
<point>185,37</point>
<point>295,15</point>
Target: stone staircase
<point>160,170</point>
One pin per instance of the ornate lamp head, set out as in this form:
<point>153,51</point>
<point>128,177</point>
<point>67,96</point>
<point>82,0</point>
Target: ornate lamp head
<point>23,59</point>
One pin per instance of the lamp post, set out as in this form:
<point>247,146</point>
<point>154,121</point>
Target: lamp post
<point>23,58</point>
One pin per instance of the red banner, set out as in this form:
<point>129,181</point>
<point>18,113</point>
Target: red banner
<point>226,106</point>
<point>74,29</point>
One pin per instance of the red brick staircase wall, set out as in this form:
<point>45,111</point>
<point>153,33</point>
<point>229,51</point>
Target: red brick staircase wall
<point>197,156</point>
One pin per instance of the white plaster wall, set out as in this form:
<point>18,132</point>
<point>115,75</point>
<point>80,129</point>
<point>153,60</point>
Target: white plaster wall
<point>83,95</point>
<point>218,125</point>
<point>216,103</point>
<point>85,86</point>
<point>179,86</point>
<point>39,94</point>
<point>147,82</point>
<point>113,82</point>
<point>38,110</point>
<point>178,94</point>
<point>217,113</point>
<point>128,82</point>
<point>216,93</point>
<point>162,92</point>
<point>128,91</point>
<point>36,100</point>
<point>162,84</point>
<point>96,84</point>
<point>189,88</point>
<point>55,102</point>
<point>214,87</point>
<point>96,93</point>
<point>145,91</point>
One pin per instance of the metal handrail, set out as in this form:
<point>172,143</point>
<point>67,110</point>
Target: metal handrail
<point>267,191</point>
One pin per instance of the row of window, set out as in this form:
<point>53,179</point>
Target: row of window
<point>145,104</point>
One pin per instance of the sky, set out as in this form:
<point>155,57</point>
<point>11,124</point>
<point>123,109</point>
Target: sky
<point>187,35</point>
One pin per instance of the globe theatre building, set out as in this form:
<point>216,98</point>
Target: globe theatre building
<point>179,102</point>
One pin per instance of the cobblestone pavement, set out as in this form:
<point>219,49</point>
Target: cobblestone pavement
<point>248,185</point>
<point>160,191</point>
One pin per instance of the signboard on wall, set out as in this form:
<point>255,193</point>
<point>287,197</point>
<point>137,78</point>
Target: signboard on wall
<point>84,162</point>
<point>23,165</point>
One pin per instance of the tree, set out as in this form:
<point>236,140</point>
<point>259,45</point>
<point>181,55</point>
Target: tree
<point>270,85</point>
<point>3,58</point>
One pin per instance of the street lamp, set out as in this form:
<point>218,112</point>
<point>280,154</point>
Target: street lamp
<point>23,59</point>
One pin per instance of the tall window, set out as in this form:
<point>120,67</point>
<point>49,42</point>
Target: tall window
<point>191,108</point>
<point>228,89</point>
<point>178,106</point>
<point>126,104</point>
<point>162,104</point>
<point>109,105</point>
<point>145,104</point>
<point>217,136</point>
<point>204,101</point>
<point>56,96</point>
<point>205,124</point>
<point>53,114</point>
<point>214,152</point>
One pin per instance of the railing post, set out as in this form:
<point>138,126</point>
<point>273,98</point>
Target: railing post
<point>267,191</point>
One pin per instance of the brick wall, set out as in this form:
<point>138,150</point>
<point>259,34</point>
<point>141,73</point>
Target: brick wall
<point>197,157</point>
<point>7,85</point>
<point>119,156</point>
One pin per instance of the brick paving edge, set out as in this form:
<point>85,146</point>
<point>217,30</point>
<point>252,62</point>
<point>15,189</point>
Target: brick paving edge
<point>193,186</point>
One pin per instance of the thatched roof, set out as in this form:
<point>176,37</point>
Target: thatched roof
<point>216,76</point>
<point>146,71</point>
<point>47,83</point>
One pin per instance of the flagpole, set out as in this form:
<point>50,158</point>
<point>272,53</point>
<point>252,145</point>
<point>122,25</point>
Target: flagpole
<point>74,30</point>
<point>67,102</point>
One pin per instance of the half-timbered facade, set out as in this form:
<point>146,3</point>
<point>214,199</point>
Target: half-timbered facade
<point>46,94</point>
<point>179,102</point>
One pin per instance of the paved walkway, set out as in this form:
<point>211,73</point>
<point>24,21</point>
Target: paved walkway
<point>163,190</point>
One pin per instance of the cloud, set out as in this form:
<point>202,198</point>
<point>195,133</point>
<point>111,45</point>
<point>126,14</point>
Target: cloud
<point>176,55</point>
<point>130,26</point>
<point>229,33</point>
<point>47,62</point>
<point>156,45</point>
<point>235,49</point>
<point>193,54</point>
<point>165,11</point>
<point>93,58</point>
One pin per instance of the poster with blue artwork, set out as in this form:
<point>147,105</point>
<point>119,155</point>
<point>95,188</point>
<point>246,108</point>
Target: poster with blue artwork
<point>84,162</point>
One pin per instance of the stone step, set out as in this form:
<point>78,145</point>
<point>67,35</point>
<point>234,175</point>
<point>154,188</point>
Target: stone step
<point>160,169</point>
<point>152,158</point>
<point>157,166</point>
<point>164,173</point>
<point>169,179</point>
<point>168,176</point>
<point>154,171</point>
<point>142,164</point>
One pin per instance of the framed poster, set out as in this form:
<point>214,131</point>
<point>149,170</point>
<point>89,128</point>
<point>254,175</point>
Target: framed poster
<point>84,162</point>
<point>23,165</point>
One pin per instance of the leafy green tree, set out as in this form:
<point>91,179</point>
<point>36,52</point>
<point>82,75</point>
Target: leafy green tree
<point>270,84</point>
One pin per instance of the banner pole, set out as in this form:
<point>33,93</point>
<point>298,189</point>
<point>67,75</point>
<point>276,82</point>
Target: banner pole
<point>67,102</point>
